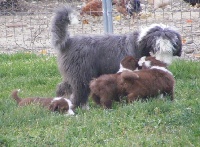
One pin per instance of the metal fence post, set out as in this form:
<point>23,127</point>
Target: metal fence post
<point>107,16</point>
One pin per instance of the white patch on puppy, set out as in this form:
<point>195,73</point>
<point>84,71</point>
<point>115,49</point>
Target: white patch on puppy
<point>161,68</point>
<point>70,111</point>
<point>142,60</point>
<point>56,99</point>
<point>121,69</point>
<point>69,103</point>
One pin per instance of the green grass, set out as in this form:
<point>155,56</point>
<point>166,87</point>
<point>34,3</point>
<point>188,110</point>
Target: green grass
<point>159,122</point>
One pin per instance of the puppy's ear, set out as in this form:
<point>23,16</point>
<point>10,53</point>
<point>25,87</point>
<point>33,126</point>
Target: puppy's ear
<point>128,76</point>
<point>53,106</point>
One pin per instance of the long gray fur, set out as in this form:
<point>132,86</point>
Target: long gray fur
<point>81,58</point>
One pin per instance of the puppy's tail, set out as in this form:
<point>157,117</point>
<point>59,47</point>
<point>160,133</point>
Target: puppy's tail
<point>59,27</point>
<point>129,76</point>
<point>15,96</point>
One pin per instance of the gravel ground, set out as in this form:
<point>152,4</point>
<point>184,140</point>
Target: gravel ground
<point>30,31</point>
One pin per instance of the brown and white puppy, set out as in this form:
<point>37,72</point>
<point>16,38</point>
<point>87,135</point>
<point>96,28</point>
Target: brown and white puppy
<point>107,88</point>
<point>154,79</point>
<point>148,62</point>
<point>59,104</point>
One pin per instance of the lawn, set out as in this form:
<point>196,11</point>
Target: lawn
<point>158,122</point>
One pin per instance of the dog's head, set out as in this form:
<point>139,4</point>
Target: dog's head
<point>128,63</point>
<point>163,41</point>
<point>148,62</point>
<point>61,105</point>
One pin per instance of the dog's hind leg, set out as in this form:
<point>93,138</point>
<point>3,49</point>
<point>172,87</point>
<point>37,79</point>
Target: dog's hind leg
<point>132,97</point>
<point>63,89</point>
<point>80,95</point>
<point>106,103</point>
<point>171,95</point>
<point>95,98</point>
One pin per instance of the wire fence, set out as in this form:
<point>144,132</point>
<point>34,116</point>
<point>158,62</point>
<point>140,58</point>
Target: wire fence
<point>25,25</point>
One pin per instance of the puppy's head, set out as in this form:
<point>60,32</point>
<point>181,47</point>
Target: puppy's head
<point>61,105</point>
<point>148,62</point>
<point>128,63</point>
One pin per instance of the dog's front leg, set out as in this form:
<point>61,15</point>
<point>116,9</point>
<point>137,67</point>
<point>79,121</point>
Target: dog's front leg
<point>132,97</point>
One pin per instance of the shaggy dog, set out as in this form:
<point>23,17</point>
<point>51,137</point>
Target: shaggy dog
<point>108,87</point>
<point>153,79</point>
<point>58,104</point>
<point>81,58</point>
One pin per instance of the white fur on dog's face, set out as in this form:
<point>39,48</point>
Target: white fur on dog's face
<point>146,63</point>
<point>164,50</point>
<point>164,57</point>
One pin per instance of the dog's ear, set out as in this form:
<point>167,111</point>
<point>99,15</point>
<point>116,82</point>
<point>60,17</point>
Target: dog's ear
<point>128,76</point>
<point>53,106</point>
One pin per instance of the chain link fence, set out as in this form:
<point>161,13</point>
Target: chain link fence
<point>25,24</point>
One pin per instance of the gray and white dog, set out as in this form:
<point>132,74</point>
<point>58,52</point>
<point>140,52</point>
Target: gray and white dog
<point>82,58</point>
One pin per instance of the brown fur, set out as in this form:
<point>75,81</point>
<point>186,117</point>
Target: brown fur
<point>93,8</point>
<point>60,105</point>
<point>108,87</point>
<point>154,62</point>
<point>130,63</point>
<point>149,83</point>
<point>135,85</point>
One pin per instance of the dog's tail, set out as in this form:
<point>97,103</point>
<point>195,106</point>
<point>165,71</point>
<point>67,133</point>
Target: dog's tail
<point>129,76</point>
<point>59,27</point>
<point>15,96</point>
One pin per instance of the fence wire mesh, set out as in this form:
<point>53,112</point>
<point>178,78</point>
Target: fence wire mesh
<point>25,24</point>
